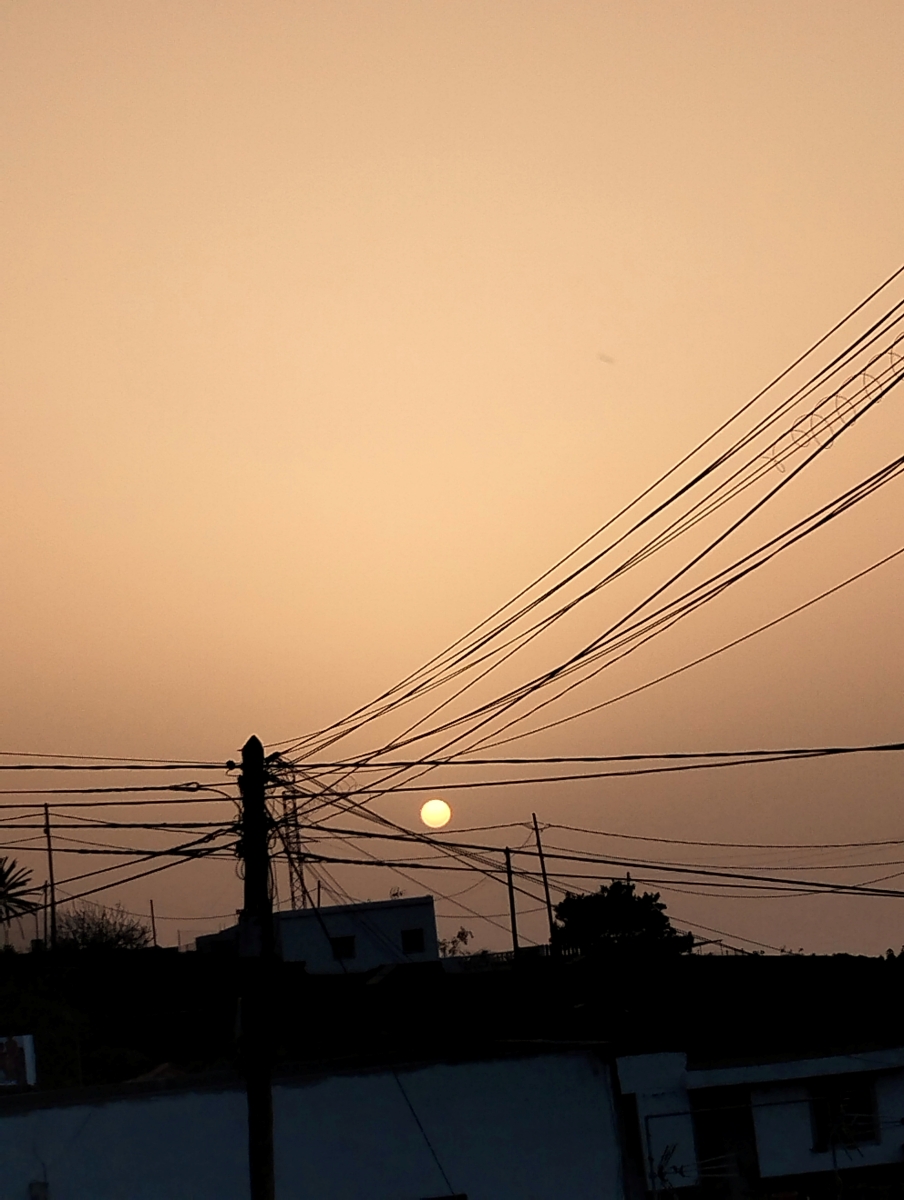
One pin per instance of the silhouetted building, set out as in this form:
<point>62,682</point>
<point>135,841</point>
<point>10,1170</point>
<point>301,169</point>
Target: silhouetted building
<point>793,1128</point>
<point>345,938</point>
<point>620,1078</point>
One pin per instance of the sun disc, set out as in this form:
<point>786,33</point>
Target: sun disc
<point>436,814</point>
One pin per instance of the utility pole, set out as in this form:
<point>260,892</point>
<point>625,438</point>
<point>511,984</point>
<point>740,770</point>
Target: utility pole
<point>53,923</point>
<point>256,946</point>
<point>153,925</point>
<point>511,892</point>
<point>298,892</point>
<point>552,924</point>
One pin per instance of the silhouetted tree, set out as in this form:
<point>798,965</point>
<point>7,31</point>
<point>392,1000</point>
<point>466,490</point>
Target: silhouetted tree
<point>85,927</point>
<point>617,918</point>
<point>15,890</point>
<point>457,944</point>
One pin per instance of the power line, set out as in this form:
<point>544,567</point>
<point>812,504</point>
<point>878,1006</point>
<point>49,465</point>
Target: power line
<point>712,877</point>
<point>69,804</point>
<point>141,875</point>
<point>569,853</point>
<point>702,659</point>
<point>192,786</point>
<point>736,936</point>
<point>708,871</point>
<point>126,851</point>
<point>121,762</point>
<point>112,766</point>
<point>146,856</point>
<point>438,659</point>
<point>872,399</point>
<point>704,591</point>
<point>789,752</point>
<point>331,833</point>
<point>6,823</point>
<point>714,586</point>
<point>637,837</point>
<point>721,764</point>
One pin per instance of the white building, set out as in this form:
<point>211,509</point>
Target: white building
<point>791,1121</point>
<point>345,938</point>
<point>535,1128</point>
<point>530,1126</point>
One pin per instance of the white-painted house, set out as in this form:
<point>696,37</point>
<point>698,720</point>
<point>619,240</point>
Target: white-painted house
<point>531,1128</point>
<point>346,938</point>
<point>800,1119</point>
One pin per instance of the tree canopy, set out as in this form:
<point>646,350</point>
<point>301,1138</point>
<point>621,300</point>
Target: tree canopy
<point>617,918</point>
<point>15,891</point>
<point>91,927</point>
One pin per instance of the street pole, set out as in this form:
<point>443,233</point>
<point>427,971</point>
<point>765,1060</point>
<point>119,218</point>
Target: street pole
<point>552,924</point>
<point>53,921</point>
<point>256,946</point>
<point>511,892</point>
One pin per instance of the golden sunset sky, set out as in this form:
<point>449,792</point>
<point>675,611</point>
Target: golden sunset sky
<point>326,327</point>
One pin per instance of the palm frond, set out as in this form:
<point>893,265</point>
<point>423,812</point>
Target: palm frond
<point>15,891</point>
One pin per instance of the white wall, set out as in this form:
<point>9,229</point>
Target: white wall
<point>377,929</point>
<point>784,1132</point>
<point>525,1129</point>
<point>659,1084</point>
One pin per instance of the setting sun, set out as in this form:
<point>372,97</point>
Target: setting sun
<point>436,814</point>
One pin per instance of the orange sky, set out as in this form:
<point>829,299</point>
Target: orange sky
<point>327,327</point>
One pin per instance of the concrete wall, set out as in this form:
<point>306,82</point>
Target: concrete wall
<point>523,1129</point>
<point>377,928</point>
<point>784,1131</point>
<point>659,1084</point>
<point>780,1102</point>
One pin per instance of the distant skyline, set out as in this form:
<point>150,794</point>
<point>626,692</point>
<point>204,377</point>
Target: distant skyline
<point>326,328</point>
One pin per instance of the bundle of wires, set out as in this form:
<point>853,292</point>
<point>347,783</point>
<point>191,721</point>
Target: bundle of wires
<point>685,541</point>
<point>716,493</point>
<point>681,544</point>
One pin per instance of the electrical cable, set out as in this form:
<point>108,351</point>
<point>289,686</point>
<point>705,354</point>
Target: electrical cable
<point>642,495</point>
<point>857,415</point>
<point>712,878</point>
<point>197,842</point>
<point>793,534</point>
<point>120,763</point>
<point>115,766</point>
<point>661,539</point>
<point>69,804</point>
<point>785,752</point>
<point>345,834</point>
<point>403,789</point>
<point>843,499</point>
<point>819,517</point>
<point>193,786</point>
<point>637,837</point>
<point>702,659</point>
<point>202,853</point>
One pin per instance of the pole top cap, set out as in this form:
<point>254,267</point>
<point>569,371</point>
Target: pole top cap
<point>253,752</point>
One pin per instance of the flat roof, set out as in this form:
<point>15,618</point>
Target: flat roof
<point>360,906</point>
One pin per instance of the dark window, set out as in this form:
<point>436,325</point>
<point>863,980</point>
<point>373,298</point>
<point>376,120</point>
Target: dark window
<point>725,1139</point>
<point>843,1111</point>
<point>412,941</point>
<point>343,947</point>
